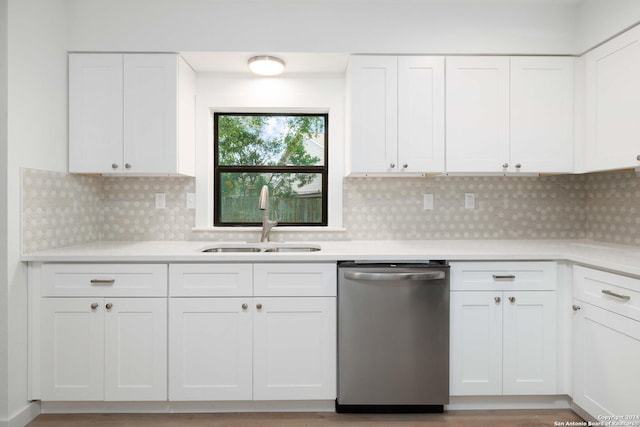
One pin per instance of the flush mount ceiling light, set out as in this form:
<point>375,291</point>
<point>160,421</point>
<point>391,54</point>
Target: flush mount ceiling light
<point>265,65</point>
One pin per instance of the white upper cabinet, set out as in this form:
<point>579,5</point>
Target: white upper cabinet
<point>541,114</point>
<point>477,113</point>
<point>509,114</point>
<point>613,103</point>
<point>131,113</point>
<point>373,93</point>
<point>396,114</point>
<point>420,114</point>
<point>95,112</point>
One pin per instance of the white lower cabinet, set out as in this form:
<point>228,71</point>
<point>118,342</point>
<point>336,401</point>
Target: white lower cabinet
<point>210,349</point>
<point>255,348</point>
<point>476,344</point>
<point>294,353</point>
<point>103,349</point>
<point>606,368</point>
<point>503,342</point>
<point>606,343</point>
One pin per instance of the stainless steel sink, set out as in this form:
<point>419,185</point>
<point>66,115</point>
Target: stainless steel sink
<point>294,249</point>
<point>232,249</point>
<point>266,247</point>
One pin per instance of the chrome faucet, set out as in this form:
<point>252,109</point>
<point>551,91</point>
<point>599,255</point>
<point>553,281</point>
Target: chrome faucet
<point>263,205</point>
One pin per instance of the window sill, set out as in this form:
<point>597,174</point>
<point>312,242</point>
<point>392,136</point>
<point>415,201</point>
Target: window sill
<point>309,229</point>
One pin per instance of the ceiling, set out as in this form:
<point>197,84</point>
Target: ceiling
<point>296,63</point>
<point>321,63</point>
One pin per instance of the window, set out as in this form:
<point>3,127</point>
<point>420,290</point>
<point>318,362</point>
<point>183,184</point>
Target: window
<point>286,152</point>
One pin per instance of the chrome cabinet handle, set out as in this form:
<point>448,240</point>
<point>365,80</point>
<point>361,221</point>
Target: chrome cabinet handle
<point>512,299</point>
<point>94,306</point>
<point>615,295</point>
<point>127,165</point>
<point>406,165</point>
<point>518,165</point>
<point>259,306</point>
<point>103,281</point>
<point>392,165</point>
<point>504,276</point>
<point>245,306</point>
<point>497,299</point>
<point>575,307</point>
<point>505,165</point>
<point>638,157</point>
<point>114,166</point>
<point>109,306</point>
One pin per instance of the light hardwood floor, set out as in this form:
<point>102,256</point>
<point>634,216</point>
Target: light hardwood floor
<point>528,418</point>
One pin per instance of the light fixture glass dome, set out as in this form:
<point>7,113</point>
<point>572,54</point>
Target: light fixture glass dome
<point>265,65</point>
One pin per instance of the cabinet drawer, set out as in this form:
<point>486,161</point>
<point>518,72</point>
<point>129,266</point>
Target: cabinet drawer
<point>295,279</point>
<point>620,294</point>
<point>210,280</point>
<point>503,276</point>
<point>126,280</point>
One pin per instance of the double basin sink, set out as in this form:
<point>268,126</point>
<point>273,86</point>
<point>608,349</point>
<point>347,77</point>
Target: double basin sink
<point>265,247</point>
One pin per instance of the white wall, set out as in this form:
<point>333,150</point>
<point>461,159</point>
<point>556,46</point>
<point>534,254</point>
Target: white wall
<point>37,138</point>
<point>4,324</point>
<point>346,26</point>
<point>598,20</point>
<point>234,93</point>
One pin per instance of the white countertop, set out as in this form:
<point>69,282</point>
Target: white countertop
<point>624,259</point>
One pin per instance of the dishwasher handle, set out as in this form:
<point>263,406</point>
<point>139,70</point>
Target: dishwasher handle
<point>421,276</point>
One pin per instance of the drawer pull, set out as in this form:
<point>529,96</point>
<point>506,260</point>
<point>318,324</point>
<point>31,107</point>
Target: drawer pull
<point>575,307</point>
<point>613,294</point>
<point>504,276</point>
<point>103,281</point>
<point>512,299</point>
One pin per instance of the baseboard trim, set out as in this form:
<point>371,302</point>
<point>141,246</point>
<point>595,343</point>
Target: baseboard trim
<point>584,414</point>
<point>187,407</point>
<point>461,403</point>
<point>456,403</point>
<point>23,416</point>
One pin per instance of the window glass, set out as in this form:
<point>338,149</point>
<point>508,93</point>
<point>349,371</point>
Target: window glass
<point>286,152</point>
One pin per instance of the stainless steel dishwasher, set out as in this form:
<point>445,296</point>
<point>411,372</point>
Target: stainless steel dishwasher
<point>393,337</point>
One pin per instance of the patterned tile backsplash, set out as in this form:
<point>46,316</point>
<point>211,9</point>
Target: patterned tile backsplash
<point>613,207</point>
<point>60,209</point>
<point>505,208</point>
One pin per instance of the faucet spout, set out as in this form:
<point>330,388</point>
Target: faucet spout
<point>263,205</point>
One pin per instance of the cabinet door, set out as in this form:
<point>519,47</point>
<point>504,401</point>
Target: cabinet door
<point>476,343</point>
<point>210,349</point>
<point>541,114</point>
<point>613,102</point>
<point>477,126</point>
<point>421,114</point>
<point>150,113</point>
<point>294,348</point>
<point>95,113</point>
<point>373,113</point>
<point>529,343</point>
<point>72,349</point>
<point>135,337</point>
<point>606,372</point>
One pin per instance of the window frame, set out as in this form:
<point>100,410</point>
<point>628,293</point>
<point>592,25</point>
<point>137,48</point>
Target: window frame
<point>218,170</point>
